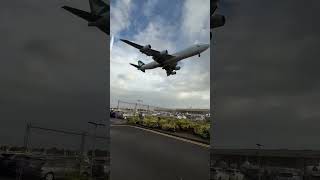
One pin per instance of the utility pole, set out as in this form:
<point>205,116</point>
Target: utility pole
<point>94,143</point>
<point>26,137</point>
<point>83,137</point>
<point>259,163</point>
<point>135,108</point>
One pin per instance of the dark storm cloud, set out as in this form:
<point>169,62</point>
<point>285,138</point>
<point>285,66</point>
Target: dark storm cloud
<point>267,78</point>
<point>53,69</point>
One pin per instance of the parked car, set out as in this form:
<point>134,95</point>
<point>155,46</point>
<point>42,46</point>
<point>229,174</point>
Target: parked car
<point>218,174</point>
<point>29,168</point>
<point>288,175</point>
<point>101,168</point>
<point>234,174</point>
<point>62,168</point>
<point>116,114</point>
<point>5,159</point>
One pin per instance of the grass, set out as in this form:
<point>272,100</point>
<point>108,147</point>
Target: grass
<point>172,124</point>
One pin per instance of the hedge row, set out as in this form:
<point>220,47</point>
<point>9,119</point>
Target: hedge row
<point>173,124</point>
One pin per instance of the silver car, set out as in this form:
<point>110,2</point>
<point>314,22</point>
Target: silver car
<point>62,168</point>
<point>234,174</point>
<point>218,174</point>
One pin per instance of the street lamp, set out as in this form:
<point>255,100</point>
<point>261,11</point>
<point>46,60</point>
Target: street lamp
<point>94,143</point>
<point>139,102</point>
<point>259,165</point>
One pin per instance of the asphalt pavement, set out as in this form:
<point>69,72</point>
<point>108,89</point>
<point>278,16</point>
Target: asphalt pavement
<point>141,155</point>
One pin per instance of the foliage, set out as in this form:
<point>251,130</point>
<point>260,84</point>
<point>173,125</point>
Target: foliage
<point>150,121</point>
<point>200,128</point>
<point>133,120</point>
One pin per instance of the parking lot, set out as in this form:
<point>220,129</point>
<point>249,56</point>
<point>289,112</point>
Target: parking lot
<point>32,167</point>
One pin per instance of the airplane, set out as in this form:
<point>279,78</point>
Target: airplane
<point>216,20</point>
<point>98,17</point>
<point>162,59</point>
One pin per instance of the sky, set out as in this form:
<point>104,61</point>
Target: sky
<point>54,69</point>
<point>165,25</point>
<point>266,70</point>
<point>53,72</point>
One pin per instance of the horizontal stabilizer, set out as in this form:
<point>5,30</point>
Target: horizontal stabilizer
<point>134,65</point>
<point>138,67</point>
<point>83,14</point>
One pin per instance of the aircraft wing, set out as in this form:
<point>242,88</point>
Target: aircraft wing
<point>83,14</point>
<point>156,55</point>
<point>213,6</point>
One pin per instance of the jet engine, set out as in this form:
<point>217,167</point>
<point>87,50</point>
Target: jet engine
<point>173,73</point>
<point>165,52</point>
<point>177,68</point>
<point>146,47</point>
<point>217,20</point>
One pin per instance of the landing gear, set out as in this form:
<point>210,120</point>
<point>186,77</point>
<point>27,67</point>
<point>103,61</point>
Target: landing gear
<point>199,55</point>
<point>171,73</point>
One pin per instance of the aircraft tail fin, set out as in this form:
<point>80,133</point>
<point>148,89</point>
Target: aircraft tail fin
<point>140,64</point>
<point>97,6</point>
<point>83,14</point>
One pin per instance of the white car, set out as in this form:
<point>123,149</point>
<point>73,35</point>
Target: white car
<point>234,174</point>
<point>288,176</point>
<point>218,174</point>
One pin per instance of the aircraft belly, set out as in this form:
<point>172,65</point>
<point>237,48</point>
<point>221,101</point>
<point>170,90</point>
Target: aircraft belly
<point>171,61</point>
<point>151,66</point>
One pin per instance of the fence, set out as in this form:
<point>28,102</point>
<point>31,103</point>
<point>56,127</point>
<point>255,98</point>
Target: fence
<point>138,106</point>
<point>78,150</point>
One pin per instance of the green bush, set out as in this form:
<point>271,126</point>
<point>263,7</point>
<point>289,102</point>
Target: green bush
<point>170,126</point>
<point>173,124</point>
<point>202,130</point>
<point>162,121</point>
<point>133,120</point>
<point>184,124</point>
<point>150,121</point>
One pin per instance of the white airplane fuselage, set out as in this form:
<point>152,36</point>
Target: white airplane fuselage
<point>184,54</point>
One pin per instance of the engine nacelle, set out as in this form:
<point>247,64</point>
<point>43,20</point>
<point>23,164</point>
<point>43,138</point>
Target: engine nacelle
<point>173,73</point>
<point>177,68</point>
<point>217,20</point>
<point>146,47</point>
<point>165,52</point>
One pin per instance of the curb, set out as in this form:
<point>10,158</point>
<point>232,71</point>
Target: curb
<point>168,133</point>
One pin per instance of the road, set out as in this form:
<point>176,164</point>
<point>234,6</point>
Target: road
<point>141,155</point>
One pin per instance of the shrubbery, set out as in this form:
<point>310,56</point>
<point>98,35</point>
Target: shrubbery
<point>133,120</point>
<point>202,130</point>
<point>150,121</point>
<point>173,124</point>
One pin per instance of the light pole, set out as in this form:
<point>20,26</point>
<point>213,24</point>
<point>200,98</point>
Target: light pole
<point>259,165</point>
<point>94,143</point>
<point>139,101</point>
